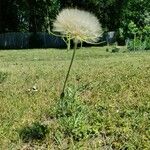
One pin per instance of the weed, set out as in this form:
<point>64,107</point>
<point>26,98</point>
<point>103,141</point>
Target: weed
<point>73,117</point>
<point>36,131</point>
<point>115,50</point>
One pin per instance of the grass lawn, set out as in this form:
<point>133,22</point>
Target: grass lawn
<point>112,91</point>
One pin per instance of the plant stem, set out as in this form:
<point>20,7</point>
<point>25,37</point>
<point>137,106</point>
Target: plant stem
<point>81,44</point>
<point>134,41</point>
<point>62,94</point>
<point>68,43</point>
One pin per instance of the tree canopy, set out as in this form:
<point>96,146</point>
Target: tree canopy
<point>38,15</point>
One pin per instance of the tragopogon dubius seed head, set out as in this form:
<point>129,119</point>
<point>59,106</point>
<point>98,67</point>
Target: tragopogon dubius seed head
<point>80,25</point>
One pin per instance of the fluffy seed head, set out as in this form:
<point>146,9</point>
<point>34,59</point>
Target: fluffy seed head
<point>78,24</point>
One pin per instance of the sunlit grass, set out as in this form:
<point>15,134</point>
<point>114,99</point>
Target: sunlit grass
<point>117,83</point>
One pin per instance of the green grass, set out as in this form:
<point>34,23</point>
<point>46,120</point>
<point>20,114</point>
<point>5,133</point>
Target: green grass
<point>113,87</point>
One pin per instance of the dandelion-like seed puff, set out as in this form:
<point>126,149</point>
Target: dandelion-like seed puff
<point>79,25</point>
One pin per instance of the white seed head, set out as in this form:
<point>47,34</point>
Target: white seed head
<point>78,24</point>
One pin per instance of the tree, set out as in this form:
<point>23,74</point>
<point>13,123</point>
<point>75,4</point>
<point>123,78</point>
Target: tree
<point>109,12</point>
<point>8,16</point>
<point>27,15</point>
<point>23,15</point>
<point>41,14</point>
<point>137,12</point>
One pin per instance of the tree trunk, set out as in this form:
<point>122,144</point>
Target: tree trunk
<point>32,16</point>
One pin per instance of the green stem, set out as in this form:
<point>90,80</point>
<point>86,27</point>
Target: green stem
<point>141,42</point>
<point>68,44</point>
<point>81,44</point>
<point>63,94</point>
<point>134,41</point>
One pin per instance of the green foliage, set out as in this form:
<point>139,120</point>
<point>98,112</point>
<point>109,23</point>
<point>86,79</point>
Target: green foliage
<point>38,15</point>
<point>42,13</point>
<point>135,13</point>
<point>36,131</point>
<point>116,124</point>
<point>103,10</point>
<point>112,49</point>
<point>137,44</point>
<point>140,37</point>
<point>28,15</point>
<point>146,30</point>
<point>147,43</point>
<point>8,16</point>
<point>73,117</point>
<point>115,50</point>
<point>133,28</point>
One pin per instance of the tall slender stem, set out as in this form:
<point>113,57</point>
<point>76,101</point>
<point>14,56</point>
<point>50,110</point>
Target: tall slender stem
<point>81,44</point>
<point>68,43</point>
<point>134,41</point>
<point>67,75</point>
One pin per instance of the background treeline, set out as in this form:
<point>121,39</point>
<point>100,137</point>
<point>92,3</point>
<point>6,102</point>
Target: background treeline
<point>124,16</point>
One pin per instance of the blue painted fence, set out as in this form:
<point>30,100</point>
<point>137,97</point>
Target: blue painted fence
<point>29,40</point>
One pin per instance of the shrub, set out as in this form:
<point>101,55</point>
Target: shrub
<point>147,43</point>
<point>136,45</point>
<point>115,50</point>
<point>73,116</point>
